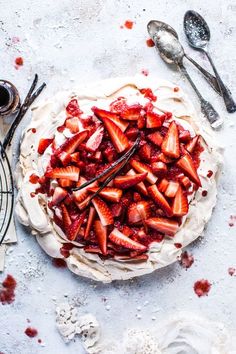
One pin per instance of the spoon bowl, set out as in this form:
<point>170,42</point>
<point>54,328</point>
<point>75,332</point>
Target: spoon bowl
<point>196,30</point>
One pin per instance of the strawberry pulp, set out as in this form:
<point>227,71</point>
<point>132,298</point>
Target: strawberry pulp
<point>144,203</point>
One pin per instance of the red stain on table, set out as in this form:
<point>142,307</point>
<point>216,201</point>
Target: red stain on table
<point>7,290</point>
<point>150,43</point>
<point>186,260</point>
<point>19,61</point>
<point>232,220</point>
<point>202,287</point>
<point>128,24</point>
<point>31,332</point>
<point>231,271</point>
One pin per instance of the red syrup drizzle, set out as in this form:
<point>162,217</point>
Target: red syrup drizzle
<point>178,245</point>
<point>204,193</point>
<point>7,291</point>
<point>209,173</point>
<point>65,249</point>
<point>186,260</point>
<point>129,24</point>
<point>59,263</point>
<point>202,287</point>
<point>33,130</point>
<point>31,332</point>
<point>231,271</point>
<point>150,43</point>
<point>19,61</point>
<point>147,92</point>
<point>33,178</point>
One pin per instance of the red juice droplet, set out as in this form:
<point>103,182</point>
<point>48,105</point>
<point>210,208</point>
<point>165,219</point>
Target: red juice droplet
<point>202,287</point>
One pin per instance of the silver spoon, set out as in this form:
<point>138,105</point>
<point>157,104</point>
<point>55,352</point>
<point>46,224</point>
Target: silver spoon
<point>172,52</point>
<point>154,26</point>
<point>198,35</point>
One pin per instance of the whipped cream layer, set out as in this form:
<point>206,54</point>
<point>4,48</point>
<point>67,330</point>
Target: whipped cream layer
<point>33,212</point>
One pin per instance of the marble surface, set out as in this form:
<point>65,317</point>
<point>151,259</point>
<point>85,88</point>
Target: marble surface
<point>68,42</point>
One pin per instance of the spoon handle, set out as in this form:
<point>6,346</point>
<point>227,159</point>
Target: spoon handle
<point>209,77</point>
<point>227,96</point>
<point>206,107</point>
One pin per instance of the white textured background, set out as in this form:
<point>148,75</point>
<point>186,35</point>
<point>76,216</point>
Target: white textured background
<point>73,41</point>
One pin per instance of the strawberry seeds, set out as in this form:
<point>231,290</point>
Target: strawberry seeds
<point>147,193</point>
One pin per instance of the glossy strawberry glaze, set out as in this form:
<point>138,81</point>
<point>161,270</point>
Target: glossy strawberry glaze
<point>126,208</point>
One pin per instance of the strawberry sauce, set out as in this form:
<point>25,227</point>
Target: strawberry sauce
<point>31,332</point>
<point>7,290</point>
<point>186,260</point>
<point>202,287</point>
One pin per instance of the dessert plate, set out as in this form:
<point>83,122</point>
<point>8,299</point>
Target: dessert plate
<point>157,201</point>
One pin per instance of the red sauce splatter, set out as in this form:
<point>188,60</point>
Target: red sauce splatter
<point>232,220</point>
<point>73,108</point>
<point>178,245</point>
<point>61,129</point>
<point>176,89</point>
<point>19,61</point>
<point>186,260</point>
<point>129,24</point>
<point>34,178</point>
<point>7,290</point>
<point>59,262</point>
<point>31,332</point>
<point>33,130</point>
<point>145,72</point>
<point>150,43</point>
<point>147,92</point>
<point>231,271</point>
<point>32,194</point>
<point>209,174</point>
<point>204,193</point>
<point>39,341</point>
<point>65,249</point>
<point>202,287</point>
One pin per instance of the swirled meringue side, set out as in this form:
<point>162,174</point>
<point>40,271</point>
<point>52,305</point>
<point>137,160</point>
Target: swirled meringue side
<point>33,212</point>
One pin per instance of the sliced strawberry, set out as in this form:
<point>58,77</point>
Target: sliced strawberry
<point>192,144</point>
<point>71,144</point>
<point>81,194</point>
<point>143,168</point>
<point>118,138</point>
<point>65,183</point>
<point>95,139</point>
<point>131,112</point>
<point>144,209</point>
<point>91,217</point>
<point>132,133</point>
<point>164,158</point>
<point>141,188</point>
<point>70,172</point>
<point>185,181</point>
<point>109,193</point>
<point>74,229</point>
<point>154,120</point>
<point>59,195</point>
<point>145,152</point>
<point>65,158</point>
<point>172,189</point>
<point>101,234</point>
<point>137,197</point>
<point>43,145</point>
<point>65,217</point>
<point>170,145</point>
<point>121,240</point>
<point>73,108</point>
<point>103,211</point>
<point>184,136</point>
<point>141,122</point>
<point>118,105</point>
<point>116,209</point>
<point>127,181</point>
<point>163,185</point>
<point>82,205</point>
<point>72,124</point>
<point>156,138</point>
<point>164,225</point>
<point>159,199</point>
<point>180,204</point>
<point>75,157</point>
<point>132,214</point>
<point>159,167</point>
<point>187,166</point>
<point>127,231</point>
